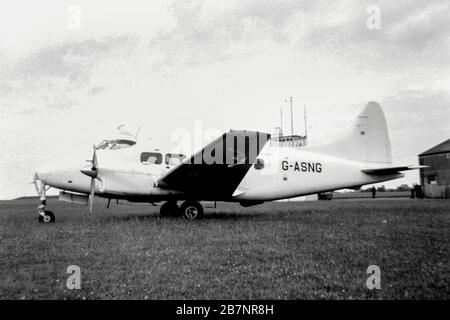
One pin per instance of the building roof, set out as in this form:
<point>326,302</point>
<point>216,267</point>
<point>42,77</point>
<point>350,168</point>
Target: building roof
<point>442,147</point>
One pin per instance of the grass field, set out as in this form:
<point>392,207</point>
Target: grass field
<point>290,250</point>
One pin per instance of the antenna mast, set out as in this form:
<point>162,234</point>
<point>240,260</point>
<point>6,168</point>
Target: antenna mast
<point>281,123</point>
<point>306,126</point>
<point>292,119</point>
<point>137,133</point>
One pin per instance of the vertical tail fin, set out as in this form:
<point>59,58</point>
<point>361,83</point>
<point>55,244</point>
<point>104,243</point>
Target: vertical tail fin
<point>368,140</point>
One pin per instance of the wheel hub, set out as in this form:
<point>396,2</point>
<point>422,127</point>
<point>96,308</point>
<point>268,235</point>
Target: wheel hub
<point>191,212</point>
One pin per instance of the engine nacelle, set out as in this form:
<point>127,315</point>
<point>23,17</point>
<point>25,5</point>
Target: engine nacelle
<point>73,197</point>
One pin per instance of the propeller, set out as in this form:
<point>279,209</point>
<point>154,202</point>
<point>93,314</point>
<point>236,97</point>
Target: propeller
<point>92,171</point>
<point>36,181</point>
<point>91,195</point>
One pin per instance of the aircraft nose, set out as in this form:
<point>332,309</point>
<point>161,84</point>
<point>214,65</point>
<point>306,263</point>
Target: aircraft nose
<point>43,173</point>
<point>64,173</point>
<point>54,172</point>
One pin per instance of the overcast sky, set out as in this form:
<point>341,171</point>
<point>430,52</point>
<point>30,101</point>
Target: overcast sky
<point>66,79</point>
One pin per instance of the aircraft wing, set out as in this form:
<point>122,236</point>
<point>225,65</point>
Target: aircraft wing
<point>390,170</point>
<point>214,172</point>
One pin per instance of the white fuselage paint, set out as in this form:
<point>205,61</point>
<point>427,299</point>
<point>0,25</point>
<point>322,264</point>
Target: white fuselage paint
<point>291,172</point>
<point>121,174</point>
<point>287,172</point>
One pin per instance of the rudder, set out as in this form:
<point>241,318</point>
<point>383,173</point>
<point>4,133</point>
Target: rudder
<point>368,140</point>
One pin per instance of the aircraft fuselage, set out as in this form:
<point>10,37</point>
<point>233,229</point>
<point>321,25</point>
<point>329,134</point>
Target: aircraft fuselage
<point>281,172</point>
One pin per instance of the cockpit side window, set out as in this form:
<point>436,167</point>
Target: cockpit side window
<point>151,158</point>
<point>115,144</point>
<point>174,158</point>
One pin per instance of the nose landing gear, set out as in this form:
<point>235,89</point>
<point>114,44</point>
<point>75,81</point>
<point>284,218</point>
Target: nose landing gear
<point>45,216</point>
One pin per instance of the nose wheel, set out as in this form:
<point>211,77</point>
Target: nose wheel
<point>46,217</point>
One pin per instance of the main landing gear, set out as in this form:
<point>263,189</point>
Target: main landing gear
<point>190,209</point>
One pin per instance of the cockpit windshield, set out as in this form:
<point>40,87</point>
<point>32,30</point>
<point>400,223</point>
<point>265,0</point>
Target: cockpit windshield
<point>115,144</point>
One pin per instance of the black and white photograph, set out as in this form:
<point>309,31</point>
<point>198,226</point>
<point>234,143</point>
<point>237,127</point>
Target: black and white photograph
<point>246,152</point>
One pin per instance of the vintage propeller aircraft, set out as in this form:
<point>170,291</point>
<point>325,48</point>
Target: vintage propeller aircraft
<point>240,166</point>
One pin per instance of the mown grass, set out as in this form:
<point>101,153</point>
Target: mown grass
<point>291,250</point>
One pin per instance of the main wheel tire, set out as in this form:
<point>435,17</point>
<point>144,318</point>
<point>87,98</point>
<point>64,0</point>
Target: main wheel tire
<point>169,209</point>
<point>192,210</point>
<point>49,217</point>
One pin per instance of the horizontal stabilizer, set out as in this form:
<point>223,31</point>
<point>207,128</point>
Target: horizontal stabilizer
<point>390,170</point>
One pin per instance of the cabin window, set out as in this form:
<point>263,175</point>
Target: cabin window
<point>151,158</point>
<point>174,158</point>
<point>259,164</point>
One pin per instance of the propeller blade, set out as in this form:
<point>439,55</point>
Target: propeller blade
<point>92,170</point>
<point>35,182</point>
<point>94,159</point>
<point>91,195</point>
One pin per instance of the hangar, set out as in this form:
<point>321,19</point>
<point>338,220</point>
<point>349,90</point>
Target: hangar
<point>435,179</point>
